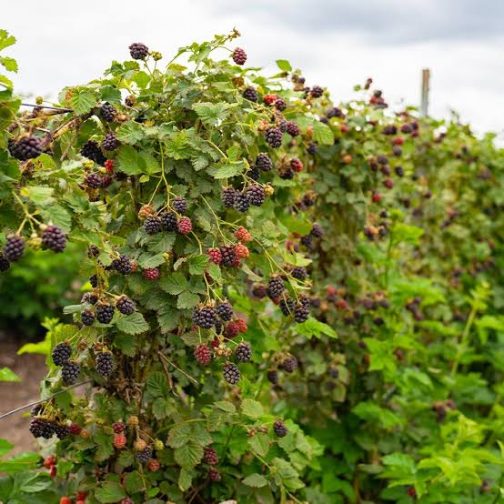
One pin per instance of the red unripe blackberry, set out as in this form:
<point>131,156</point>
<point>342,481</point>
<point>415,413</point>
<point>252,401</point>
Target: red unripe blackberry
<point>250,94</point>
<point>231,373</point>
<point>214,475</point>
<point>125,305</point>
<point>398,140</point>
<point>215,255</point>
<point>275,287</point>
<point>289,364</point>
<point>169,221</point>
<point>151,274</point>
<point>61,353</point>
<point>269,99</point>
<point>49,461</point>
<point>92,151</point>
<point>316,92</point>
<point>152,225</point>
<point>228,256</point>
<point>70,372</point>
<point>138,51</point>
<point>104,362</point>
<point>4,263</point>
<point>299,273</point>
<point>231,330</point>
<point>110,143</point>
<point>225,311</point>
<point>153,465</point>
<point>122,265</point>
<point>243,235</point>
<point>272,376</point>
<point>292,129</point>
<point>109,166</point>
<point>273,137</point>
<point>87,317</point>
<point>184,225</point>
<point>241,202</point>
<point>388,183</point>
<point>14,248</point>
<point>120,441</point>
<point>204,317</point>
<point>296,165</point>
<point>239,56</point>
<point>243,352</point>
<point>144,455</point>
<point>228,197</point>
<point>126,500</point>
<point>93,180</point>
<point>180,204</point>
<point>241,324</point>
<point>65,500</point>
<point>280,104</point>
<point>263,162</point>
<point>54,239</point>
<point>118,427</point>
<point>210,456</point>
<point>301,312</point>
<point>280,429</point>
<point>104,313</point>
<point>203,354</point>
<point>241,251</point>
<point>255,194</point>
<point>259,291</point>
<point>108,112</point>
<point>25,148</point>
<point>75,429</point>
<point>376,197</point>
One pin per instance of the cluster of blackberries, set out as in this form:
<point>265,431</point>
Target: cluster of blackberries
<point>45,428</point>
<point>104,362</point>
<point>25,148</point>
<point>254,195</point>
<point>13,248</point>
<point>204,317</point>
<point>169,221</point>
<point>91,150</point>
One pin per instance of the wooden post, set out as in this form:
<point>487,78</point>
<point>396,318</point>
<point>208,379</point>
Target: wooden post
<point>424,105</point>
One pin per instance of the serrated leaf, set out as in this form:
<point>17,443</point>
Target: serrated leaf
<point>151,261</point>
<point>134,482</point>
<point>130,161</point>
<point>132,324</point>
<point>255,481</point>
<point>225,406</point>
<point>189,455</point>
<point>259,444</point>
<point>322,133</point>
<point>82,101</point>
<point>313,327</point>
<point>110,492</point>
<point>226,171</point>
<point>40,195</point>
<point>157,385</point>
<point>198,264</point>
<point>185,479</point>
<point>59,216</point>
<point>211,114</point>
<point>130,132</point>
<point>251,408</point>
<point>179,435</point>
<point>187,300</point>
<point>174,284</point>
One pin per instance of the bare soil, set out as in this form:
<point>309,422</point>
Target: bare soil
<point>31,369</point>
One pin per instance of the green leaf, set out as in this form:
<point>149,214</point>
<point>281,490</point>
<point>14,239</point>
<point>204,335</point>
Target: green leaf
<point>174,284</point>
<point>211,114</point>
<point>322,133</point>
<point>151,261</point>
<point>179,435</point>
<point>58,216</point>
<point>313,327</point>
<point>259,444</point>
<point>40,195</point>
<point>284,65</point>
<point>255,481</point>
<point>185,479</point>
<point>130,132</point>
<point>10,64</point>
<point>21,462</point>
<point>189,455</point>
<point>226,406</point>
<point>83,101</point>
<point>157,385</point>
<point>130,161</point>
<point>6,40</point>
<point>132,324</point>
<point>226,171</point>
<point>134,482</point>
<point>110,492</point>
<point>5,447</point>
<point>251,408</point>
<point>198,264</point>
<point>43,347</point>
<point>7,375</point>
<point>187,300</point>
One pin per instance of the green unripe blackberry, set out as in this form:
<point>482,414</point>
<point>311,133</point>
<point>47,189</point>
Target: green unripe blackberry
<point>104,363</point>
<point>104,313</point>
<point>70,373</point>
<point>125,305</point>
<point>231,373</point>
<point>14,248</point>
<point>243,352</point>
<point>61,353</point>
<point>87,317</point>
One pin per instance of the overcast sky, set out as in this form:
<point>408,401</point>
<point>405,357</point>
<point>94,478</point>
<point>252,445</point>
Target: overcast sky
<point>337,43</point>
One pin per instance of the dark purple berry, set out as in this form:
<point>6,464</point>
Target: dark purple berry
<point>280,429</point>
<point>122,265</point>
<point>125,305</point>
<point>70,372</point>
<point>87,317</point>
<point>110,142</point>
<point>104,313</point>
<point>25,148</point>
<point>138,51</point>
<point>228,197</point>
<point>274,137</point>
<point>231,373</point>
<point>153,225</point>
<point>225,311</point>
<point>239,56</point>
<point>92,151</point>
<point>243,352</point>
<point>108,113</point>
<point>180,204</point>
<point>169,221</point>
<point>14,248</point>
<point>263,162</point>
<point>104,363</point>
<point>204,317</point>
<point>250,94</point>
<point>61,353</point>
<point>241,202</point>
<point>54,239</point>
<point>275,287</point>
<point>255,195</point>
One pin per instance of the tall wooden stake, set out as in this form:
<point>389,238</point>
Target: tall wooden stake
<point>424,105</point>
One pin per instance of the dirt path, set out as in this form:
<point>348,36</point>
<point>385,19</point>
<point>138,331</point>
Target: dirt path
<point>31,369</point>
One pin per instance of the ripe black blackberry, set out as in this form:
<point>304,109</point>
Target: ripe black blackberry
<point>225,311</point>
<point>275,287</point>
<point>231,373</point>
<point>87,317</point>
<point>316,92</point>
<point>312,149</point>
<point>299,273</point>
<point>254,173</point>
<point>138,51</point>
<point>317,231</point>
<point>383,160</point>
<point>280,429</point>
<point>93,180</point>
<point>93,251</point>
<point>180,204</point>
<point>243,352</point>
<point>228,254</point>
<point>25,148</point>
<point>263,162</point>
<point>241,202</point>
<point>14,248</point>
<point>250,94</point>
<point>122,265</point>
<point>91,150</point>
<point>205,317</point>
<point>274,137</point>
<point>259,291</point>
<point>280,104</point>
<point>307,240</point>
<point>108,112</point>
<point>169,221</point>
<point>70,372</point>
<point>210,456</point>
<point>93,280</point>
<point>4,263</point>
<point>228,197</point>
<point>144,455</point>
<point>255,194</point>
<point>286,173</point>
<point>61,430</point>
<point>390,129</point>
<point>287,306</point>
<point>104,363</point>
<point>399,171</point>
<point>153,225</point>
<point>292,129</point>
<point>54,239</point>
<point>41,428</point>
<point>61,353</point>
<point>104,313</point>
<point>334,112</point>
<point>301,312</point>
<point>289,364</point>
<point>110,142</point>
<point>239,56</point>
<point>125,305</point>
<point>272,376</point>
